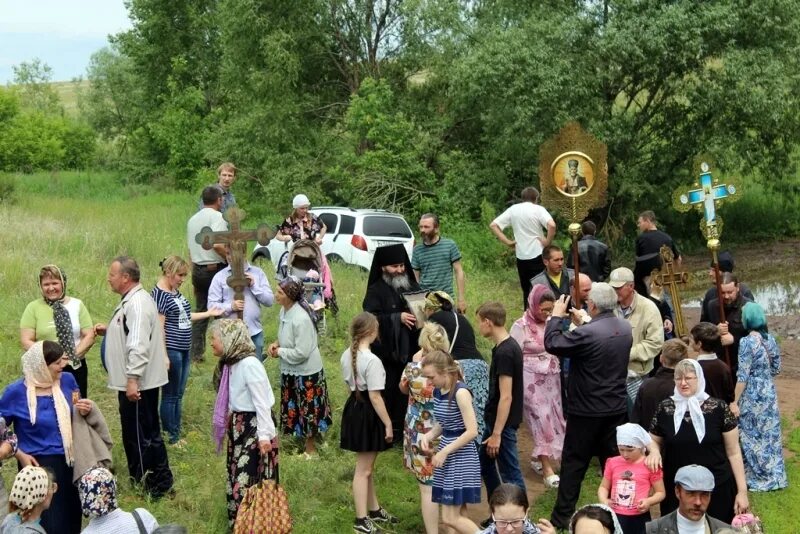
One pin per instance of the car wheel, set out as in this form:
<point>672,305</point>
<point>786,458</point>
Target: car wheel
<point>334,258</point>
<point>262,261</point>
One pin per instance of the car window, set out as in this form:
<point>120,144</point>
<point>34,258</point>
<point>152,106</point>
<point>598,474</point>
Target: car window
<point>330,220</point>
<point>348,224</point>
<point>386,226</point>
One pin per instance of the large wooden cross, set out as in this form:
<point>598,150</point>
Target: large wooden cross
<point>669,279</point>
<point>236,239</point>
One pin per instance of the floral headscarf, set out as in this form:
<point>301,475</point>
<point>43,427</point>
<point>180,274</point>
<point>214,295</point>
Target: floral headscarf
<point>37,375</point>
<point>30,487</point>
<point>97,491</point>
<point>61,318</point>
<point>435,299</point>
<point>691,404</point>
<point>236,346</point>
<point>294,288</point>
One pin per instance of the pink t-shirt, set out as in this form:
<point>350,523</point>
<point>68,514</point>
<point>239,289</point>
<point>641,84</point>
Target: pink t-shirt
<point>630,483</point>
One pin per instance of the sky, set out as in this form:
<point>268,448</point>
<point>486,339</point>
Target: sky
<point>62,33</point>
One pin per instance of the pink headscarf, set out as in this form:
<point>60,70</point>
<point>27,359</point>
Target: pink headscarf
<point>532,322</point>
<point>532,315</point>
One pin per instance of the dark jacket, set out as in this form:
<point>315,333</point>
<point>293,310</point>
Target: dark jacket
<point>562,289</point>
<point>669,524</point>
<point>599,352</point>
<point>711,295</point>
<point>594,258</point>
<point>733,316</point>
<point>653,390</point>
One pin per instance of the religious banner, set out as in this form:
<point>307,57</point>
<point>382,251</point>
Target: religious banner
<point>573,178</point>
<point>236,239</point>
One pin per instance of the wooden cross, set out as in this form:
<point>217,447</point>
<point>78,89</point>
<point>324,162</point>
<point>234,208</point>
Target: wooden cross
<point>236,239</point>
<point>670,279</point>
<point>705,198</point>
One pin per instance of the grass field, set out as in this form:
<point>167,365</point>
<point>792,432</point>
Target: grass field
<point>82,220</point>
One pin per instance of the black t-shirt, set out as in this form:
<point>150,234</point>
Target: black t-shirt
<point>506,361</point>
<point>464,347</point>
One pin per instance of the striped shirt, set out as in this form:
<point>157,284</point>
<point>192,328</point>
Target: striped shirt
<point>435,264</point>
<point>177,311</point>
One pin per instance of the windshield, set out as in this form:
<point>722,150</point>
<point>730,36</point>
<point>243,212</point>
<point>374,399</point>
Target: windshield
<point>386,226</point>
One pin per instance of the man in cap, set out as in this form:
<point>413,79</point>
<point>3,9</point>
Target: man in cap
<point>574,182</point>
<point>648,250</point>
<point>529,221</point>
<point>226,175</point>
<point>389,278</point>
<point>725,266</point>
<point>693,487</point>
<point>648,330</point>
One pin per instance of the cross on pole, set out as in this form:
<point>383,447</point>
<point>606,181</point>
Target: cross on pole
<point>236,239</point>
<point>670,279</point>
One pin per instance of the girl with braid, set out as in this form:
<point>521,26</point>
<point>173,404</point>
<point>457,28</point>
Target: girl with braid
<point>366,427</point>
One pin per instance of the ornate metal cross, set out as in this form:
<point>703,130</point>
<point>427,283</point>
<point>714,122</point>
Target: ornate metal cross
<point>705,198</point>
<point>669,279</point>
<point>236,239</point>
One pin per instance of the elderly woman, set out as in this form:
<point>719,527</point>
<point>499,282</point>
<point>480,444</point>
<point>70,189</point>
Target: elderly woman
<point>57,317</point>
<point>692,428</point>
<point>243,410</point>
<point>39,406</point>
<point>176,316</point>
<point>97,490</point>
<point>439,308</point>
<point>305,410</point>
<point>542,382</point>
<point>301,224</point>
<point>757,400</point>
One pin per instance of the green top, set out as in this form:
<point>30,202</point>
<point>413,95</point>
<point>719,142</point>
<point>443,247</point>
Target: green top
<point>435,265</point>
<point>38,316</point>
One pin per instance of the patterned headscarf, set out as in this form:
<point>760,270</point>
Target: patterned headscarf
<point>30,487</point>
<point>435,299</point>
<point>236,346</point>
<point>633,435</point>
<point>691,404</point>
<point>97,491</point>
<point>532,314</point>
<point>37,375</point>
<point>61,316</point>
<point>294,288</point>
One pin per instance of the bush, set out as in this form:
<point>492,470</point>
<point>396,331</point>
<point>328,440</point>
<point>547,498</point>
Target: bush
<point>8,189</point>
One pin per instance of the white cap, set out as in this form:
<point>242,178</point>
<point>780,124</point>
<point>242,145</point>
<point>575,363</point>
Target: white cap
<point>300,200</point>
<point>620,276</point>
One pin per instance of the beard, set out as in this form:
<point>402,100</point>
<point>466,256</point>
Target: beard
<point>398,282</point>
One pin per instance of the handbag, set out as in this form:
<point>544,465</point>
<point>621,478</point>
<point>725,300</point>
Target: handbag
<point>264,510</point>
<point>748,524</point>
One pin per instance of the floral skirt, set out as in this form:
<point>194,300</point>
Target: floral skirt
<point>305,410</point>
<point>246,466</point>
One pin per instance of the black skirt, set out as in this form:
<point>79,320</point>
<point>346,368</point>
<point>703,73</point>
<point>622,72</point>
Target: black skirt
<point>362,429</point>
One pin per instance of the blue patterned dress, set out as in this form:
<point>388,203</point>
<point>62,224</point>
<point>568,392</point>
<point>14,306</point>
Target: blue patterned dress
<point>759,421</point>
<point>458,481</point>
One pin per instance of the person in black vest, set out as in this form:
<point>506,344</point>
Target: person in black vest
<point>594,256</point>
<point>725,266</point>
<point>555,276</point>
<point>731,330</point>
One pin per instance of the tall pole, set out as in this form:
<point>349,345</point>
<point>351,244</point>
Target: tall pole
<point>574,228</point>
<point>713,245</point>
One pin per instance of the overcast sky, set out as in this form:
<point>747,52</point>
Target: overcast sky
<point>62,33</point>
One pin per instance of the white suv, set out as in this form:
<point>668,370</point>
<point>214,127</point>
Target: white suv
<point>352,235</point>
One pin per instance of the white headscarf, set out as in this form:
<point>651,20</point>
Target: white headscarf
<point>37,375</point>
<point>632,435</point>
<point>691,404</point>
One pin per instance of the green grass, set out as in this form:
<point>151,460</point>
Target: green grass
<point>82,220</point>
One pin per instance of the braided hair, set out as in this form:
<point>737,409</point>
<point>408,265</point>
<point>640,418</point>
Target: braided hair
<point>362,327</point>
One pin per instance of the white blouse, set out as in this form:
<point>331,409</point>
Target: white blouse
<point>250,391</point>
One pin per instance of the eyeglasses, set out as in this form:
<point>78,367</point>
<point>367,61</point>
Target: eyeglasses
<point>685,379</point>
<point>505,523</point>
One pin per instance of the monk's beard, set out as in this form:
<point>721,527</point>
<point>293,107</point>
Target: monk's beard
<point>398,282</point>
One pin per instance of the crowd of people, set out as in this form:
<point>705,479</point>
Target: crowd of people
<point>593,367</point>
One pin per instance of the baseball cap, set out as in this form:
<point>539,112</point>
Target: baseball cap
<point>695,478</point>
<point>620,276</point>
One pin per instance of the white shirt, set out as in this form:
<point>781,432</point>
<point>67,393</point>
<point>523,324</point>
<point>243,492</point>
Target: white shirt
<point>250,391</point>
<point>529,222</point>
<point>119,521</point>
<point>687,526</point>
<point>205,217</point>
<point>369,369</point>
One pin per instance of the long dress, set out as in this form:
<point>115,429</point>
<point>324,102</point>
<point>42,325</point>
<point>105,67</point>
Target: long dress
<point>542,382</point>
<point>419,420</point>
<point>458,481</point>
<point>759,420</point>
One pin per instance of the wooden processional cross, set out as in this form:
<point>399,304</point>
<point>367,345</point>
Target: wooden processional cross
<point>706,197</point>
<point>669,279</point>
<point>236,239</point>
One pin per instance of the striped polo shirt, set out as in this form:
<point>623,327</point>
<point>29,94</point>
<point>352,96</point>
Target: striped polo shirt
<point>435,264</point>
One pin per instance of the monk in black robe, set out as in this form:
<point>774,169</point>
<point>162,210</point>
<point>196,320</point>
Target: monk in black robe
<point>389,278</point>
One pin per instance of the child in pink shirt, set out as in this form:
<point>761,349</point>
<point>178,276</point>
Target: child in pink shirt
<point>627,481</point>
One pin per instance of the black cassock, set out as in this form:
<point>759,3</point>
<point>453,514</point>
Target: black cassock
<point>396,345</point>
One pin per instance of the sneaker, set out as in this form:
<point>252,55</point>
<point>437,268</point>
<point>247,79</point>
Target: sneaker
<point>366,526</point>
<point>382,516</point>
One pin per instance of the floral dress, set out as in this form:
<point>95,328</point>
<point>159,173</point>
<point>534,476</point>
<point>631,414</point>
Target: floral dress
<point>759,420</point>
<point>419,420</point>
<point>305,229</point>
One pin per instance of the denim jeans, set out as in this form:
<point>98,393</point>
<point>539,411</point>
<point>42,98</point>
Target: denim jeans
<point>172,393</point>
<point>258,341</point>
<point>504,468</point>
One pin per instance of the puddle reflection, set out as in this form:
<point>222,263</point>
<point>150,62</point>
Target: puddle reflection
<point>776,299</point>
